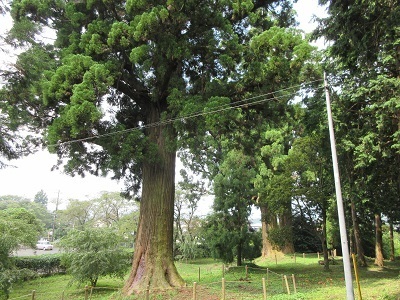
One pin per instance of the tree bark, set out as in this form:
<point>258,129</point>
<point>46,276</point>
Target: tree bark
<point>357,236</point>
<point>267,248</point>
<point>286,222</point>
<point>153,263</point>
<point>378,241</point>
<point>239,254</point>
<point>391,242</point>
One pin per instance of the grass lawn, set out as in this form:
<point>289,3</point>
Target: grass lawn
<point>311,282</point>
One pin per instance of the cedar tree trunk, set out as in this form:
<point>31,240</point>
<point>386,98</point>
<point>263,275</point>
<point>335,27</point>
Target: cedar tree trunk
<point>286,222</point>
<point>267,248</point>
<point>391,242</point>
<point>357,236</point>
<point>153,264</point>
<point>378,241</point>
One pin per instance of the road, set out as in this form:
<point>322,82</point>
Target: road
<point>32,252</point>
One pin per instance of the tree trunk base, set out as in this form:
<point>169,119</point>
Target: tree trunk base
<point>161,276</point>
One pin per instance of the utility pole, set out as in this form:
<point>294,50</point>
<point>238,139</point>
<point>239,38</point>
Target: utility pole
<point>342,224</point>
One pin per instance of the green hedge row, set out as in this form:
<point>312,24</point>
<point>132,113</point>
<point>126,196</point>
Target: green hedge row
<point>42,264</point>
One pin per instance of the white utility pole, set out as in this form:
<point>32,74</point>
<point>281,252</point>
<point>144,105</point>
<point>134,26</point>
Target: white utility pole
<point>342,224</point>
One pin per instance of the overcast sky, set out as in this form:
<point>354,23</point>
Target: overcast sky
<point>33,173</point>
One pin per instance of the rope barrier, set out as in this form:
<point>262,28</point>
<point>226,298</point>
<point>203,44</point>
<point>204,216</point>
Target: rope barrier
<point>232,271</point>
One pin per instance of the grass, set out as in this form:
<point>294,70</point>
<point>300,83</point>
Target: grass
<point>311,282</point>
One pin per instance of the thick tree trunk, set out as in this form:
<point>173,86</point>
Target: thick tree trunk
<point>267,248</point>
<point>378,241</point>
<point>153,264</point>
<point>357,236</point>
<point>286,222</point>
<point>391,242</point>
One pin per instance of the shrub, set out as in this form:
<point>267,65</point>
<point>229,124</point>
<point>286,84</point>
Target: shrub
<point>43,264</point>
<point>92,253</point>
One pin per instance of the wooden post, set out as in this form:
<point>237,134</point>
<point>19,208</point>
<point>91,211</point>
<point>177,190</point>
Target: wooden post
<point>294,284</point>
<point>283,283</point>
<point>264,288</point>
<point>223,270</point>
<point>247,272</point>
<point>223,288</point>
<point>318,255</point>
<point>86,292</point>
<point>194,290</point>
<point>267,277</point>
<point>62,296</point>
<point>304,255</point>
<point>199,274</point>
<point>33,294</point>
<point>287,285</point>
<point>276,259</point>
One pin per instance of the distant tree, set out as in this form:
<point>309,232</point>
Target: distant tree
<point>41,213</point>
<point>313,190</point>
<point>187,197</point>
<point>78,214</point>
<point>111,207</point>
<point>92,253</point>
<point>41,198</point>
<point>127,227</point>
<point>228,226</point>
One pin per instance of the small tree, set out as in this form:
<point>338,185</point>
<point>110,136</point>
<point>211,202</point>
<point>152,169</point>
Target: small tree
<point>92,253</point>
<point>228,227</point>
<point>17,227</point>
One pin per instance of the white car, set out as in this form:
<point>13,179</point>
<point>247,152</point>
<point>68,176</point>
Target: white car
<point>44,245</point>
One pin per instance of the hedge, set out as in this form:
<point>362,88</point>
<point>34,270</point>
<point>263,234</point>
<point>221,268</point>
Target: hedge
<point>42,264</point>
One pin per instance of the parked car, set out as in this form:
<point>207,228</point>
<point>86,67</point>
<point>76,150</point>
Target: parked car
<point>44,245</point>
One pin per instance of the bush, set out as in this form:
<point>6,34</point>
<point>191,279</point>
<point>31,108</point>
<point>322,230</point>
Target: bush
<point>10,276</point>
<point>43,264</point>
<point>92,253</point>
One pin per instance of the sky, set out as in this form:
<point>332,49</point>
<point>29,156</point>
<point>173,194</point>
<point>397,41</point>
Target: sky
<point>31,174</point>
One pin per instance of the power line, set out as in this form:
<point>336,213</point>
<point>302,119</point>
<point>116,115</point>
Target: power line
<point>239,104</point>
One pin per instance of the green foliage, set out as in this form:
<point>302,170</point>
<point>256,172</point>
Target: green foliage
<point>12,276</point>
<point>92,253</point>
<point>228,228</point>
<point>42,264</point>
<point>110,210</point>
<point>190,248</point>
<point>188,243</point>
<point>40,211</point>
<point>279,236</point>
<point>17,227</point>
<point>41,198</point>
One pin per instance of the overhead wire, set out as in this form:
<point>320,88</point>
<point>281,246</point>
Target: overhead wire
<point>239,104</point>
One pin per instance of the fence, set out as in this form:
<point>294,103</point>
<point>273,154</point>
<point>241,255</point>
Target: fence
<point>237,283</point>
<point>230,283</point>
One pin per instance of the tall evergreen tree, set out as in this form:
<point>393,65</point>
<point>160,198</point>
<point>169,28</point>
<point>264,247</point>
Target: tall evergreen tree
<point>365,50</point>
<point>116,76</point>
